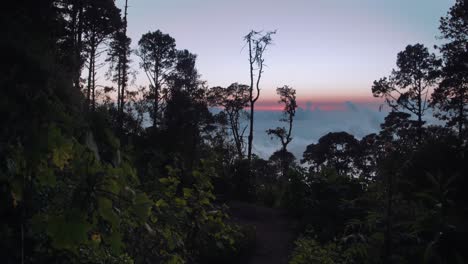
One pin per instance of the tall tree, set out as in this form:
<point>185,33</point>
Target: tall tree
<point>158,54</point>
<point>257,43</point>
<point>119,56</point>
<point>396,140</point>
<point>408,86</point>
<point>451,96</point>
<point>101,20</point>
<point>184,75</point>
<point>72,13</point>
<point>288,98</point>
<point>30,85</point>
<point>186,117</point>
<point>233,100</point>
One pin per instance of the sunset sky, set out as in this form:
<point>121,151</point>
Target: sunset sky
<point>329,50</point>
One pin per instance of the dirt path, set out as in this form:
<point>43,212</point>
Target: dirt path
<point>274,235</point>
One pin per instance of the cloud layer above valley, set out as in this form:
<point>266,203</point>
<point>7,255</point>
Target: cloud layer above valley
<point>312,123</point>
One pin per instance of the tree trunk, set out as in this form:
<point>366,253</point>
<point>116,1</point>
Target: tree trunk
<point>420,113</point>
<point>156,95</point>
<point>461,116</point>
<point>119,81</point>
<point>252,105</point>
<point>123,70</point>
<point>90,74</point>
<point>234,122</point>
<point>94,83</point>
<point>77,39</point>
<point>285,165</point>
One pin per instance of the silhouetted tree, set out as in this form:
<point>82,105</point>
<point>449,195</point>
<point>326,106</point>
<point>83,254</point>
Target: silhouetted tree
<point>119,56</point>
<point>101,20</point>
<point>186,120</point>
<point>278,160</point>
<point>157,53</point>
<point>257,43</point>
<point>408,86</point>
<point>184,76</point>
<point>233,100</point>
<point>368,155</point>
<point>399,132</point>
<point>451,96</point>
<point>72,13</point>
<point>334,150</point>
<point>288,98</point>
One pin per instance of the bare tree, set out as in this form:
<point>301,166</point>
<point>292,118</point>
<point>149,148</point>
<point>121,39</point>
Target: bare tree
<point>257,43</point>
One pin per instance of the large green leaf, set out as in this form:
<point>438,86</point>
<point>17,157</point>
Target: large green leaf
<point>68,231</point>
<point>106,211</point>
<point>142,206</point>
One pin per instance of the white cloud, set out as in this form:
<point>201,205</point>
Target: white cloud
<point>309,125</point>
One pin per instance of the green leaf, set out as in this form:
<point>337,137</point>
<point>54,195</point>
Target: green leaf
<point>164,180</point>
<point>180,202</point>
<point>68,231</point>
<point>187,193</point>
<point>176,259</point>
<point>106,211</point>
<point>161,203</point>
<point>142,206</point>
<point>62,153</point>
<point>115,242</point>
<point>205,201</point>
<point>111,185</point>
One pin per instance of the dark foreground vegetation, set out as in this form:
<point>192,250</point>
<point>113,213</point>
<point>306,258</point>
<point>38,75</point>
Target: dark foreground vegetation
<point>115,174</point>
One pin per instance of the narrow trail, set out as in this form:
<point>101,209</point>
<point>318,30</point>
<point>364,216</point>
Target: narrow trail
<point>274,235</point>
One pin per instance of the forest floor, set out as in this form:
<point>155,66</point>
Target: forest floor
<point>274,232</point>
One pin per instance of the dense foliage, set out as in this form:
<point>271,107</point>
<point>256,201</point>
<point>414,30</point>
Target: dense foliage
<point>397,196</point>
<point>81,179</point>
<point>85,178</point>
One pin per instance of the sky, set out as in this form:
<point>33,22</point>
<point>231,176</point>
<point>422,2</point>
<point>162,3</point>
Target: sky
<point>330,51</point>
